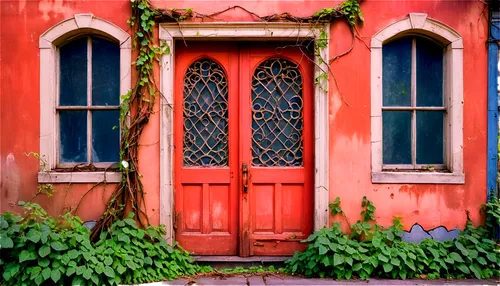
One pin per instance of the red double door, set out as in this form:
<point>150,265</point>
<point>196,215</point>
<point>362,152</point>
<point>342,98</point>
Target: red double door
<point>243,148</point>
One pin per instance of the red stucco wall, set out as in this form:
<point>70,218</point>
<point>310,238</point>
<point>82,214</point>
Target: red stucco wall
<point>22,23</point>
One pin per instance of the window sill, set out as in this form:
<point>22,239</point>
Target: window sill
<point>417,178</point>
<point>78,177</point>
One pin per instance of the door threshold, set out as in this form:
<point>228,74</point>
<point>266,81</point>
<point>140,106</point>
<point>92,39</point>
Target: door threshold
<point>237,259</point>
<point>229,261</point>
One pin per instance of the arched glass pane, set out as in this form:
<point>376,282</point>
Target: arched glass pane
<point>277,114</point>
<point>73,73</point>
<point>205,115</point>
<point>396,72</point>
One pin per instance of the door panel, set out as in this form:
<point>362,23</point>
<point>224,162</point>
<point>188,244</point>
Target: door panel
<point>276,144</point>
<point>206,130</point>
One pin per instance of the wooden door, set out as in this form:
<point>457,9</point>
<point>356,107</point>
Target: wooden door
<point>206,150</point>
<point>243,149</point>
<point>277,148</point>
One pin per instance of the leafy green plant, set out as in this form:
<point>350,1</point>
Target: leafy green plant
<point>38,249</point>
<point>252,269</point>
<point>492,211</point>
<point>373,251</point>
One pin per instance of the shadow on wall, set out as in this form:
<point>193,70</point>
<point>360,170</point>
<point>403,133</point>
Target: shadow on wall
<point>441,233</point>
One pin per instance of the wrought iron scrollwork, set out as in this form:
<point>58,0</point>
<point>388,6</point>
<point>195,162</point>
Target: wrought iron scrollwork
<point>205,115</point>
<point>277,114</point>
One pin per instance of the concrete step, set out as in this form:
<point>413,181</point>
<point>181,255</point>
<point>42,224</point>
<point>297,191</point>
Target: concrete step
<point>224,262</point>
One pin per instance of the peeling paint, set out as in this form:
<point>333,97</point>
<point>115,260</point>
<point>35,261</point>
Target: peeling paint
<point>49,7</point>
<point>417,233</point>
<point>11,181</point>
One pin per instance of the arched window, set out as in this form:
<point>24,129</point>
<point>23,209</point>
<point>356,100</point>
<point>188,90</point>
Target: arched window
<point>88,108</point>
<point>417,93</point>
<point>84,68</point>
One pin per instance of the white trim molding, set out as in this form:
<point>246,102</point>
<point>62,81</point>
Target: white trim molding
<point>420,24</point>
<point>169,33</point>
<point>80,24</point>
<point>78,177</point>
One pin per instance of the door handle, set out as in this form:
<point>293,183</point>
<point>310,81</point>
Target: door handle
<point>244,177</point>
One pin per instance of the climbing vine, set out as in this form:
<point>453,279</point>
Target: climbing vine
<point>137,105</point>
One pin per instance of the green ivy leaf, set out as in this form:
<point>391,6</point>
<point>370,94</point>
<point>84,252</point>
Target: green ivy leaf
<point>55,274</point>
<point>382,258</point>
<point>482,261</point>
<point>120,269</point>
<point>411,265</point>
<point>322,250</point>
<point>46,273</point>
<point>35,271</point>
<point>26,256</point>
<point>58,246</point>
<point>348,260</point>
<point>73,254</point>
<point>395,261</point>
<point>402,274</point>
<point>70,271</point>
<point>476,270</point>
<point>463,268</point>
<point>108,261</point>
<point>5,241</point>
<point>338,259</point>
<point>44,250</point>
<point>95,279</point>
<point>376,241</point>
<point>387,267</point>
<point>148,260</point>
<point>357,266</point>
<point>491,257</point>
<point>455,256</point>
<point>108,271</point>
<point>44,262</point>
<point>33,235</point>
<point>87,273</point>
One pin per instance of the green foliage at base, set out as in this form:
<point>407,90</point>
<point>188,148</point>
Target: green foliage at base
<point>373,251</point>
<point>38,249</point>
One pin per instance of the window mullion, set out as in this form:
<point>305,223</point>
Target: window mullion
<point>414,103</point>
<point>89,100</point>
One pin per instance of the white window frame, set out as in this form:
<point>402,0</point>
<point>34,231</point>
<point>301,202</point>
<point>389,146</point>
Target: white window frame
<point>254,31</point>
<point>420,24</point>
<point>80,24</point>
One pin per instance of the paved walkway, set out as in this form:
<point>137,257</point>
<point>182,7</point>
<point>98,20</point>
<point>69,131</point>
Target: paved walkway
<point>270,279</point>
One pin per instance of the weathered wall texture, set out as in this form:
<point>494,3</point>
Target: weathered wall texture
<point>22,22</point>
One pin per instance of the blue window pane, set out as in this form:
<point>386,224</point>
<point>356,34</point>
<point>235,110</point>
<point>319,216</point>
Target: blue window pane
<point>430,149</point>
<point>105,136</point>
<point>73,73</point>
<point>396,127</point>
<point>73,136</point>
<point>396,75</point>
<point>429,73</point>
<point>105,72</point>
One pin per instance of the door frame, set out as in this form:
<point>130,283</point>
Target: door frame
<point>170,32</point>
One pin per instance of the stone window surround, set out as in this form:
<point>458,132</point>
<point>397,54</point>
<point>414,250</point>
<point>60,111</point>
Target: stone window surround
<point>80,24</point>
<point>420,24</point>
<point>254,31</point>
